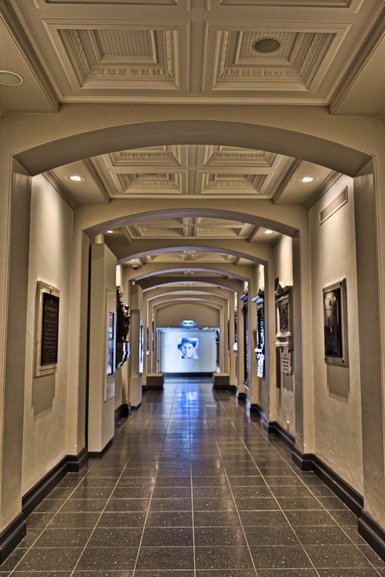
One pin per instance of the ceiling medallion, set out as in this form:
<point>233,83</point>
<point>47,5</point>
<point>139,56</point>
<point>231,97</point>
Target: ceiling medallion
<point>9,78</point>
<point>267,45</point>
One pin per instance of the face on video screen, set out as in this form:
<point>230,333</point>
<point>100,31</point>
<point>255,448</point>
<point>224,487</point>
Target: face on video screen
<point>188,348</point>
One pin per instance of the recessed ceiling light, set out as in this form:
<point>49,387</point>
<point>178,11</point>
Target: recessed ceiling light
<point>110,231</point>
<point>307,179</point>
<point>76,178</point>
<point>268,231</point>
<point>267,45</point>
<point>8,78</point>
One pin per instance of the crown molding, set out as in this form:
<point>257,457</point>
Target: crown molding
<point>21,39</point>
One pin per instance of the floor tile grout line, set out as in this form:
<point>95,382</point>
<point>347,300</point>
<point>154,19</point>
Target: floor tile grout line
<point>152,493</point>
<point>341,527</point>
<point>100,515</point>
<point>239,517</point>
<point>50,521</point>
<point>280,508</point>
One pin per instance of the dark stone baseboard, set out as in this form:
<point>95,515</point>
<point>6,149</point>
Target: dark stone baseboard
<point>257,410</point>
<point>122,412</point>
<point>310,462</point>
<point>99,454</point>
<point>70,463</point>
<point>276,429</point>
<point>232,389</point>
<point>242,396</point>
<point>372,533</point>
<point>11,536</point>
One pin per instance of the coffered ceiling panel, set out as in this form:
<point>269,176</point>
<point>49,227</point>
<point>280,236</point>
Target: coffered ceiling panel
<point>194,51</point>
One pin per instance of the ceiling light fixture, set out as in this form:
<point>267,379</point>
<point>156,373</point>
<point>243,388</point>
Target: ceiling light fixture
<point>76,178</point>
<point>307,179</point>
<point>110,232</point>
<point>9,78</point>
<point>267,45</point>
<point>268,231</point>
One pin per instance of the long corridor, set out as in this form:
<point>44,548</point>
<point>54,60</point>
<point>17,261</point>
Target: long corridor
<point>192,487</point>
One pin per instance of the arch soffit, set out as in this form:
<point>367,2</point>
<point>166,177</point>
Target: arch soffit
<point>251,256</point>
<point>240,273</point>
<point>224,293</point>
<point>206,303</point>
<point>247,134</point>
<point>152,284</point>
<point>176,298</point>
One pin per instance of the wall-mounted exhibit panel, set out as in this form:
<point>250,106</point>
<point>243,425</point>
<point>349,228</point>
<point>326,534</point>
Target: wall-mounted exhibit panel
<point>187,351</point>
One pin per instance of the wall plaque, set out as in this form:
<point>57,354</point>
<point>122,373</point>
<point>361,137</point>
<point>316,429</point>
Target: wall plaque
<point>47,328</point>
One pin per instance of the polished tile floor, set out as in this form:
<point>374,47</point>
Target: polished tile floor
<point>192,487</point>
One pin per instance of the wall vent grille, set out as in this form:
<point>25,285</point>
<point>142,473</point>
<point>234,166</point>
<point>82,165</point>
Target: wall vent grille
<point>335,205</point>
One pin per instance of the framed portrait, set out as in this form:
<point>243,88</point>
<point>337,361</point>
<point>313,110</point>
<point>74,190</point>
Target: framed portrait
<point>335,323</point>
<point>283,316</point>
<point>47,329</point>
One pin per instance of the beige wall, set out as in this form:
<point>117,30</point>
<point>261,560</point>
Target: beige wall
<point>337,398</point>
<point>283,269</point>
<point>172,316</point>
<point>45,401</point>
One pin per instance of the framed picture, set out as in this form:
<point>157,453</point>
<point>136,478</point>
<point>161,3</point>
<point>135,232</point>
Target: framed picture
<point>335,324</point>
<point>283,312</point>
<point>260,335</point>
<point>47,329</point>
<point>110,344</point>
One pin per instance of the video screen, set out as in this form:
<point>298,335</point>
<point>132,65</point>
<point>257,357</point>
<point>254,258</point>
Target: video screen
<point>188,348</point>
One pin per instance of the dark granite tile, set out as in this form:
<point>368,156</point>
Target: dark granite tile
<point>63,559</point>
<point>263,518</point>
<point>219,536</point>
<point>130,519</point>
<point>101,573</point>
<point>63,537</point>
<point>344,518</point>
<point>298,518</point>
<point>348,573</point>
<point>108,558</point>
<point>223,558</point>
<point>40,573</point>
<point>173,481</point>
<point>299,503</point>
<point>74,520</point>
<point>252,492</point>
<point>169,519</point>
<point>13,559</point>
<point>39,520</point>
<point>322,535</point>
<point>256,504</point>
<point>84,505</point>
<point>168,573</point>
<point>165,558</point>
<point>167,537</point>
<point>280,481</point>
<point>290,491</point>
<point>280,556</point>
<point>85,492</point>
<point>372,556</point>
<point>214,504</point>
<point>255,480</point>
<point>288,573</point>
<point>225,573</point>
<point>332,502</point>
<point>215,518</point>
<point>264,535</point>
<point>171,493</point>
<point>223,491</point>
<point>49,506</point>
<point>116,537</point>
<point>123,505</point>
<point>332,556</point>
<point>170,505</point>
<point>210,481</point>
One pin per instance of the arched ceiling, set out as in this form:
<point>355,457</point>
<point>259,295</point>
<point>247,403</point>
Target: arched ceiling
<point>193,52</point>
